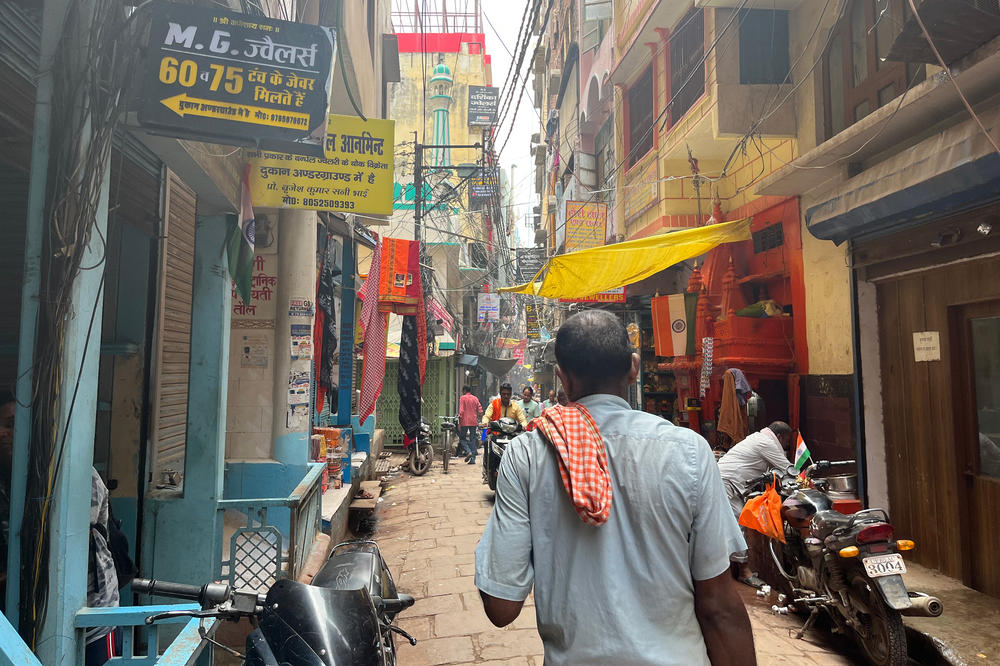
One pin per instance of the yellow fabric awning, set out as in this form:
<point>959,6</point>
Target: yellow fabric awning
<point>587,272</point>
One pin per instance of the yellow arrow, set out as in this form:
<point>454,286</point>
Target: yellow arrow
<point>183,105</point>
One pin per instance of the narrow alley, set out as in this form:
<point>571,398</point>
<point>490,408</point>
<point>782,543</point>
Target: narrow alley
<point>428,528</point>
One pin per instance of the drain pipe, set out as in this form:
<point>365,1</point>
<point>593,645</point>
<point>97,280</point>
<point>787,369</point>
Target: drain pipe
<point>859,392</point>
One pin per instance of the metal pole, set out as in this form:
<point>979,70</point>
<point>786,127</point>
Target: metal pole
<point>418,189</point>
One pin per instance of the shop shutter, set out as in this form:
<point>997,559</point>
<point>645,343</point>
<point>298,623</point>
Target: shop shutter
<point>20,38</point>
<point>173,347</point>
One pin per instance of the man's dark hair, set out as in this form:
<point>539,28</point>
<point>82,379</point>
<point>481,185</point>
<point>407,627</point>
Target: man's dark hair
<point>466,389</point>
<point>780,428</point>
<point>506,386</point>
<point>5,397</point>
<point>527,388</point>
<point>593,346</point>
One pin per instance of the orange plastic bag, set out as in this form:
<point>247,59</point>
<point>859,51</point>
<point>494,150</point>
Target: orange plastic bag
<point>763,514</point>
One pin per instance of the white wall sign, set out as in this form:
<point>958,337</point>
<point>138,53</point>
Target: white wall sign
<point>926,346</point>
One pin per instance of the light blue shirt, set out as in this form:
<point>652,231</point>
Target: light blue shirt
<point>623,592</point>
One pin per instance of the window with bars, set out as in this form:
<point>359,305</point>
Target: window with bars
<point>640,117</point>
<point>687,69</point>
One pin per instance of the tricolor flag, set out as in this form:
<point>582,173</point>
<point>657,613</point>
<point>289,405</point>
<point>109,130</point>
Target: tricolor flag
<point>674,324</point>
<point>801,453</point>
<point>240,243</point>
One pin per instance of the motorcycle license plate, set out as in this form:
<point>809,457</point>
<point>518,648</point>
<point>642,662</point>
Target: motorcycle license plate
<point>884,565</point>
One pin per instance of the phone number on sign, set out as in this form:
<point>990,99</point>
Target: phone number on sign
<point>319,204</point>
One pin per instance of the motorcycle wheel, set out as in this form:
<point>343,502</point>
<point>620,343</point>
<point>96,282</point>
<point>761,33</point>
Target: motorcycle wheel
<point>881,636</point>
<point>420,459</point>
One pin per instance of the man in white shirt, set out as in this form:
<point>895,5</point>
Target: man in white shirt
<point>649,584</point>
<point>748,459</point>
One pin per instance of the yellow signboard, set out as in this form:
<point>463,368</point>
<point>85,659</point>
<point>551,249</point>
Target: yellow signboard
<point>356,175</point>
<point>586,224</point>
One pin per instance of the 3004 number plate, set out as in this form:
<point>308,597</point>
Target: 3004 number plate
<point>884,565</point>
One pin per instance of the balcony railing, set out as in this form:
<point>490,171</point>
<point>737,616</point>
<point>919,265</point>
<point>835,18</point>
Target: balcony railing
<point>259,552</point>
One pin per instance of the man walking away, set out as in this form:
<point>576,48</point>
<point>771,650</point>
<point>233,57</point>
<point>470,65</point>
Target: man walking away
<point>619,521</point>
<point>748,459</point>
<point>532,410</point>
<point>469,409</point>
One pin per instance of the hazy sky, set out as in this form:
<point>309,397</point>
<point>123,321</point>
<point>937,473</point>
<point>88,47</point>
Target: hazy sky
<point>505,17</point>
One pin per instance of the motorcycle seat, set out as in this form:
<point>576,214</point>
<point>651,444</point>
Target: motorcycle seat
<point>824,523</point>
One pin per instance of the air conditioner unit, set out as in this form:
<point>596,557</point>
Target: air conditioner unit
<point>555,80</point>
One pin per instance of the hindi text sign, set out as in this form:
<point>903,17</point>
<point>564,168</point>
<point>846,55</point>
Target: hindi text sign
<point>529,261</point>
<point>483,188</point>
<point>355,177</point>
<point>219,74</point>
<point>483,105</point>
<point>586,224</point>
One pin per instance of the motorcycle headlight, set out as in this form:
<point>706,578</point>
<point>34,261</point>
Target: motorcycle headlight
<point>508,428</point>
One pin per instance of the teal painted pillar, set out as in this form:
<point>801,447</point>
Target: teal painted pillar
<point>53,14</point>
<point>69,540</point>
<point>186,533</point>
<point>345,387</point>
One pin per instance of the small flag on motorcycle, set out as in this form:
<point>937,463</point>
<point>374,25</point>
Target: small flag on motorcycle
<point>801,453</point>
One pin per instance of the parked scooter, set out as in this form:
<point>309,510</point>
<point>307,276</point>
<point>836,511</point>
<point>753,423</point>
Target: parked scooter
<point>419,448</point>
<point>498,436</point>
<point>847,565</point>
<point>344,616</point>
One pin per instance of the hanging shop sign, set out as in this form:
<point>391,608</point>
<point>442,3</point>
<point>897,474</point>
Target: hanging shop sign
<point>483,105</point>
<point>355,177</point>
<point>224,76</point>
<point>617,295</point>
<point>586,224</point>
<point>489,307</point>
<point>529,261</point>
<point>483,188</point>
<point>531,321</point>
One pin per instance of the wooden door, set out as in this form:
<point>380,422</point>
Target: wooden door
<point>976,362</point>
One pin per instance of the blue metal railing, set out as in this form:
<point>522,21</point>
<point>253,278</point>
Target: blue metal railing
<point>259,552</point>
<point>184,650</point>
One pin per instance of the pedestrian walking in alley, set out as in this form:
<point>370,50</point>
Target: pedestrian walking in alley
<point>532,410</point>
<point>627,546</point>
<point>551,401</point>
<point>749,459</point>
<point>469,409</point>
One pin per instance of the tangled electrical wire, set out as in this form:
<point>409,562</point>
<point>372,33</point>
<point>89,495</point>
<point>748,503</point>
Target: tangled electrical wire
<point>90,74</point>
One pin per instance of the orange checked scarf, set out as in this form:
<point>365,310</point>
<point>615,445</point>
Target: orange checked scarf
<point>583,462</point>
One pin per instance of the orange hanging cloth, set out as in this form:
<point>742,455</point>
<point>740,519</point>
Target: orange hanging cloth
<point>732,418</point>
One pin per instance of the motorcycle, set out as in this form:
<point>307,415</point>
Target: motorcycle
<point>344,616</point>
<point>419,448</point>
<point>498,436</point>
<point>849,566</point>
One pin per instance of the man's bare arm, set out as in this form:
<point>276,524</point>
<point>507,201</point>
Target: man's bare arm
<point>500,611</point>
<point>724,622</point>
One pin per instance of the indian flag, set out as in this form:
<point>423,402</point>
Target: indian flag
<point>674,324</point>
<point>240,245</point>
<point>801,453</point>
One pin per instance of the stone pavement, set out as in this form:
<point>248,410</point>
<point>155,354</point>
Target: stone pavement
<point>428,528</point>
